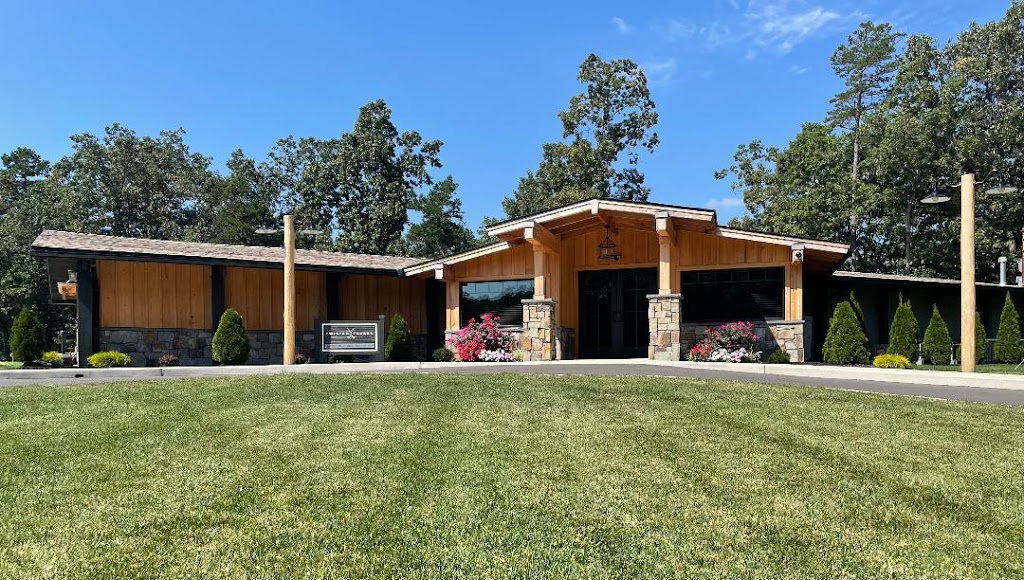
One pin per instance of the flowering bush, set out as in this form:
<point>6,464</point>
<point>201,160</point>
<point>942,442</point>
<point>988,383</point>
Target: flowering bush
<point>483,340</point>
<point>733,342</point>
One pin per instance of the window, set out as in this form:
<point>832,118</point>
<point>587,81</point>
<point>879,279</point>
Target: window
<point>732,295</point>
<point>503,299</point>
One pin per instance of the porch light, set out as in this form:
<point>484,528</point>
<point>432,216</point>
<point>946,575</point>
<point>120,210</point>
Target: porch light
<point>607,247</point>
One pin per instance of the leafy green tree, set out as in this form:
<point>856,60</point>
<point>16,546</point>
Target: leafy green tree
<point>398,347</point>
<point>29,207</point>
<point>904,332</point>
<point>148,187</point>
<point>231,344</point>
<point>844,343</point>
<point>1007,348</point>
<point>605,127</point>
<point>361,184</point>
<point>440,232</point>
<point>28,339</point>
<point>938,345</point>
<point>235,206</point>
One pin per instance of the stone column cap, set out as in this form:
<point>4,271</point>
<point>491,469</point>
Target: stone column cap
<point>539,301</point>
<point>659,296</point>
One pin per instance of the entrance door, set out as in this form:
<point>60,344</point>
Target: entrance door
<point>613,312</point>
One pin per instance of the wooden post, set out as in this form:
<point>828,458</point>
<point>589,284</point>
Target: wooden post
<point>967,297</point>
<point>289,290</point>
<point>666,237</point>
<point>540,262</point>
<point>88,311</point>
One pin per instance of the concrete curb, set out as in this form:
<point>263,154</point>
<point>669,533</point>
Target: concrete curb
<point>910,377</point>
<point>901,376</point>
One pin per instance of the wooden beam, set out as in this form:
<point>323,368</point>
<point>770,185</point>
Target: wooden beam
<point>595,210</point>
<point>665,265</point>
<point>439,272</point>
<point>663,225</point>
<point>541,237</point>
<point>540,277</point>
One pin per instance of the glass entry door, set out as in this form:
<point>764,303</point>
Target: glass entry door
<point>613,312</point>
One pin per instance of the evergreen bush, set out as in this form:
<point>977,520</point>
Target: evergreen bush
<point>444,354</point>
<point>109,358</point>
<point>845,341</point>
<point>980,342</point>
<point>398,347</point>
<point>778,357</point>
<point>903,333</point>
<point>1007,348</point>
<point>231,344</point>
<point>937,343</point>
<point>28,339</point>
<point>891,361</point>
<point>862,323</point>
<point>51,359</point>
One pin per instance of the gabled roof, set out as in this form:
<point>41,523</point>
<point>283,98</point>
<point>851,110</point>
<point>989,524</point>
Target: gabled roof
<point>61,244</point>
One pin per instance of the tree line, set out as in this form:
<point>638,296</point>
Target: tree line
<point>911,118</point>
<point>357,189</point>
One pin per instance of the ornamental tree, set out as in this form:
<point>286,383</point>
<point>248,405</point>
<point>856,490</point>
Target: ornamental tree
<point>845,341</point>
<point>937,342</point>
<point>28,339</point>
<point>903,333</point>
<point>231,344</point>
<point>1007,347</point>
<point>398,347</point>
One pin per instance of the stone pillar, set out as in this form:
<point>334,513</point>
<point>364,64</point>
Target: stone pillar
<point>663,317</point>
<point>540,335</point>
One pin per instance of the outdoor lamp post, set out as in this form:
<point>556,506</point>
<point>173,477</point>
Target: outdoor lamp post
<point>968,363</point>
<point>288,340</point>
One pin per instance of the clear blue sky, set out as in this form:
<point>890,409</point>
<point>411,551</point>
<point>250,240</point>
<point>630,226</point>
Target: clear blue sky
<point>486,78</point>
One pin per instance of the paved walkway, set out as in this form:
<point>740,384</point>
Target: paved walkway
<point>990,388</point>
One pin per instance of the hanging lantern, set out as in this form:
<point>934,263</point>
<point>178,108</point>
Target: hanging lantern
<point>608,248</point>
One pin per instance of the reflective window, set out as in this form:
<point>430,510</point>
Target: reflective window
<point>733,295</point>
<point>502,298</point>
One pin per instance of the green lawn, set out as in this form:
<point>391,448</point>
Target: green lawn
<point>9,365</point>
<point>442,476</point>
<point>985,368</point>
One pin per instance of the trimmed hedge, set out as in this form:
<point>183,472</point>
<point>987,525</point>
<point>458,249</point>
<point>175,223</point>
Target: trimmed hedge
<point>845,341</point>
<point>231,345</point>
<point>398,347</point>
<point>891,361</point>
<point>110,358</point>
<point>1007,348</point>
<point>903,334</point>
<point>28,339</point>
<point>938,345</point>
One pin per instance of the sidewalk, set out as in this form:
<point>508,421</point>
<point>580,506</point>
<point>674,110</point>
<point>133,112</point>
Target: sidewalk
<point>642,367</point>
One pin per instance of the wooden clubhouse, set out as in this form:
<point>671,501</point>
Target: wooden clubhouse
<point>598,278</point>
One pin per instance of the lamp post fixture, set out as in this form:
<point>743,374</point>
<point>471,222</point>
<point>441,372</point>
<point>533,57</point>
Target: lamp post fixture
<point>968,364</point>
<point>288,340</point>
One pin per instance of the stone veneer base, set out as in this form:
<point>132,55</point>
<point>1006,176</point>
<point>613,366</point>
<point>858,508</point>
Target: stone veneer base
<point>663,321</point>
<point>195,347</point>
<point>541,337</point>
<point>772,335</point>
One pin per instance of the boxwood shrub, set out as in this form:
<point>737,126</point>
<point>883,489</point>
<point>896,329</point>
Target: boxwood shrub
<point>110,358</point>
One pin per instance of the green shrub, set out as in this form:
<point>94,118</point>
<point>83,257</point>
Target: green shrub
<point>340,358</point>
<point>891,361</point>
<point>301,359</point>
<point>980,342</point>
<point>845,341</point>
<point>110,358</point>
<point>937,343</point>
<point>231,344</point>
<point>903,334</point>
<point>778,357</point>
<point>51,359</point>
<point>862,323</point>
<point>443,354</point>
<point>1007,347</point>
<point>28,340</point>
<point>399,344</point>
